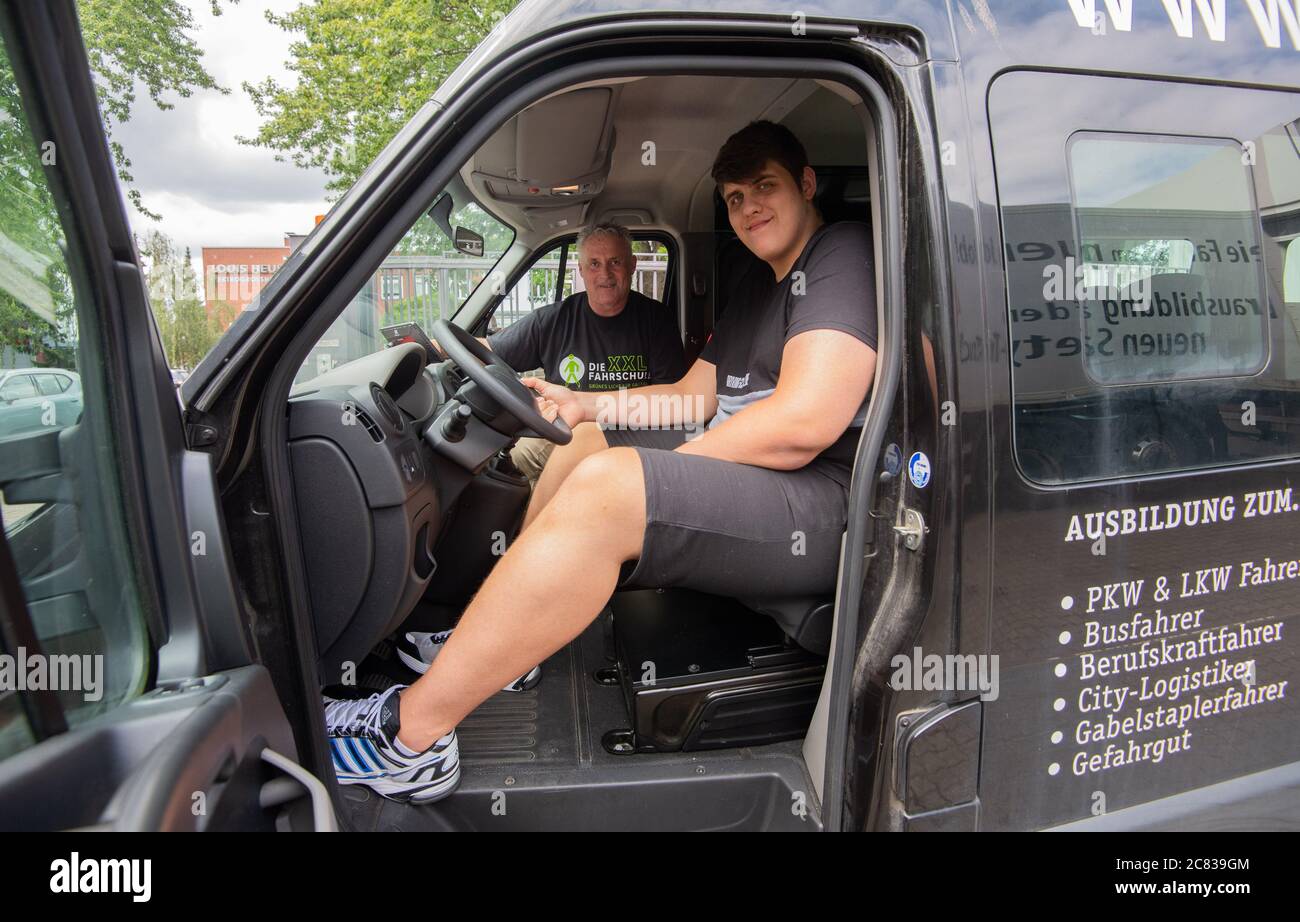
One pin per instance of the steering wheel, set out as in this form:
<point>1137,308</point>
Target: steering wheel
<point>485,368</point>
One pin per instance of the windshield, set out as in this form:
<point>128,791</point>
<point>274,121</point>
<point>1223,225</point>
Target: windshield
<point>423,279</point>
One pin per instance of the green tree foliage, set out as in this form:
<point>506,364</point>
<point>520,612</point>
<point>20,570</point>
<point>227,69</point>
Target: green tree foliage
<point>364,67</point>
<point>183,323</point>
<point>130,43</point>
<point>221,314</point>
<point>36,306</point>
<point>145,43</point>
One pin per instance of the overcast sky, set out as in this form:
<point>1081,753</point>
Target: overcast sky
<point>209,189</point>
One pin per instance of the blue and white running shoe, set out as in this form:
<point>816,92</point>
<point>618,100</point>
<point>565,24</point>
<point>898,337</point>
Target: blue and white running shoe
<point>418,649</point>
<point>363,742</point>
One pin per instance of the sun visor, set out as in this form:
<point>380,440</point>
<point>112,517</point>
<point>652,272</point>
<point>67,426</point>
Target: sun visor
<point>565,137</point>
<point>556,152</point>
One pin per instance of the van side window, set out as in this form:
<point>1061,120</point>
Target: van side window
<point>537,286</point>
<point>1151,278</point>
<point>1167,308</point>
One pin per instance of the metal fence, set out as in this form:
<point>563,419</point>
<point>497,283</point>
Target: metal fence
<point>423,289</point>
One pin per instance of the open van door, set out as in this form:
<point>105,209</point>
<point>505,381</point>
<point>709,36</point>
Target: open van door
<point>129,693</point>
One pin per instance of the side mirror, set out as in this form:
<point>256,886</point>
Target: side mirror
<point>468,242</point>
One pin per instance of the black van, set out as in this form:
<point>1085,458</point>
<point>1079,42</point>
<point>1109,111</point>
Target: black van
<point>1069,562</point>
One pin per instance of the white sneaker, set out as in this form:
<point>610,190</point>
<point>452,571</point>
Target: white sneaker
<point>418,649</point>
<point>363,742</point>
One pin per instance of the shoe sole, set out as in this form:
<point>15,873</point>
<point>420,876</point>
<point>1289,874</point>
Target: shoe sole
<point>415,664</point>
<point>401,791</point>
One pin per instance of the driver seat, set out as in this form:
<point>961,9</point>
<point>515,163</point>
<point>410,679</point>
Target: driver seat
<point>805,619</point>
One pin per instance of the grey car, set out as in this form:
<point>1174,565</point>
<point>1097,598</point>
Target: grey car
<point>32,399</point>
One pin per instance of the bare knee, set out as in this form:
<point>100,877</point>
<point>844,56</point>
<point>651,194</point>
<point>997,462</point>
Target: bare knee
<point>606,492</point>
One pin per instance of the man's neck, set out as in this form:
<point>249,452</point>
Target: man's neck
<point>608,312</point>
<point>781,267</point>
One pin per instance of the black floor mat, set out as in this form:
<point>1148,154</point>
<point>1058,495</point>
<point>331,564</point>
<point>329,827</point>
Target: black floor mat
<point>534,760</point>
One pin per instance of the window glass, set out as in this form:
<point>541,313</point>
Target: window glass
<point>18,387</point>
<point>1291,283</point>
<point>1149,325</point>
<point>651,269</point>
<point>50,385</point>
<point>536,287</point>
<point>61,513</point>
<point>1158,307</point>
<point>424,278</point>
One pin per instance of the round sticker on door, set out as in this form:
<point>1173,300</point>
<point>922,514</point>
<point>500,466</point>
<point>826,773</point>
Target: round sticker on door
<point>893,459</point>
<point>918,466</point>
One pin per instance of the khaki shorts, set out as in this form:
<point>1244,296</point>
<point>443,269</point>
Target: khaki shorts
<point>530,455</point>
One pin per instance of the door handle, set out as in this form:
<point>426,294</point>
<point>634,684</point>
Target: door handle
<point>322,808</point>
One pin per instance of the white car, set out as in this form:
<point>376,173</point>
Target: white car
<point>38,398</point>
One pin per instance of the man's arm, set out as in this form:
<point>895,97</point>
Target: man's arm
<point>825,374</point>
<point>519,344</point>
<point>437,345</point>
<point>691,401</point>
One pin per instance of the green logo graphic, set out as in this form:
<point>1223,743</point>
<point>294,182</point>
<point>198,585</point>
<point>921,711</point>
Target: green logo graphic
<point>572,369</point>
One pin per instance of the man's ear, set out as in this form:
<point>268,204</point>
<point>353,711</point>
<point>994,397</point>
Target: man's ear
<point>808,185</point>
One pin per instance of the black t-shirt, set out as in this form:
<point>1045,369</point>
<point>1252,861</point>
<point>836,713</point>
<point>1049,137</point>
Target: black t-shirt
<point>587,352</point>
<point>832,286</point>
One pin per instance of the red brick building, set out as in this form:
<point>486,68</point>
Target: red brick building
<point>235,275</point>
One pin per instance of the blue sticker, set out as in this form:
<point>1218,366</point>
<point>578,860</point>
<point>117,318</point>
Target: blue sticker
<point>894,459</point>
<point>918,467</point>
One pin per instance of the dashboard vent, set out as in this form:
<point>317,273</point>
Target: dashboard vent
<point>363,419</point>
<point>387,406</point>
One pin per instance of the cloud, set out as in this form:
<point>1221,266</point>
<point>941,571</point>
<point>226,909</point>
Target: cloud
<point>209,189</point>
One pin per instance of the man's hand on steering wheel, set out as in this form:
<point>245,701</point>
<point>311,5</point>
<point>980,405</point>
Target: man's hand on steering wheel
<point>556,400</point>
<point>499,383</point>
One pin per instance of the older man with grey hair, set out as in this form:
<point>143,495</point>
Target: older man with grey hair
<point>601,339</point>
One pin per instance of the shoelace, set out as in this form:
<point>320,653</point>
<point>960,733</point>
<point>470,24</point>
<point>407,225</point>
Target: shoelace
<point>349,718</point>
<point>429,644</point>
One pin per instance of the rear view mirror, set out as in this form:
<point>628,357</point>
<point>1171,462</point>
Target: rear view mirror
<point>468,242</point>
<point>440,213</point>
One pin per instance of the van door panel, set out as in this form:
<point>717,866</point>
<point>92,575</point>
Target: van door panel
<point>1146,556</point>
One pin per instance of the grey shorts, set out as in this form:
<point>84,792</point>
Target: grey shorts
<point>733,529</point>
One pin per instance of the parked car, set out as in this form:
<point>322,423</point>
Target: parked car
<point>32,399</point>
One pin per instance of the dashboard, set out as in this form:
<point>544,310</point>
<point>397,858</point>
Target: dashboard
<point>381,450</point>
<point>366,486</point>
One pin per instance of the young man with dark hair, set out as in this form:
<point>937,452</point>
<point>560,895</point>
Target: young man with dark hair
<point>783,384</point>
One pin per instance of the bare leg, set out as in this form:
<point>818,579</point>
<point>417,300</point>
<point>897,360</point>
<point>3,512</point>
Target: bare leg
<point>587,440</point>
<point>554,580</point>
